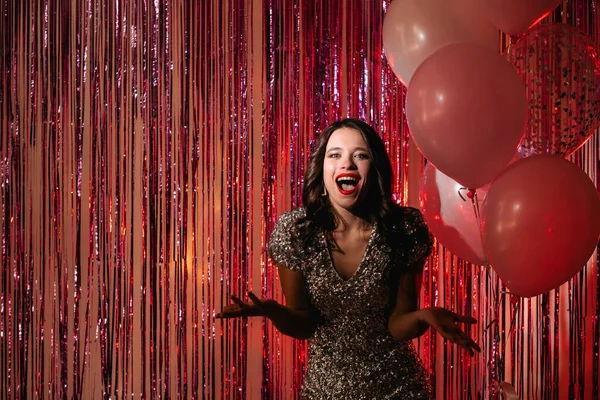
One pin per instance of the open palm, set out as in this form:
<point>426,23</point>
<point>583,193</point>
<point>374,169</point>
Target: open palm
<point>257,307</point>
<point>445,323</point>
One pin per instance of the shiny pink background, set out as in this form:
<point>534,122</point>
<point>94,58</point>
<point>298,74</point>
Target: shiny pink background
<point>146,149</point>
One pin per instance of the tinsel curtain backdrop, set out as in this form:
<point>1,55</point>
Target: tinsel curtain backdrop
<point>146,151</point>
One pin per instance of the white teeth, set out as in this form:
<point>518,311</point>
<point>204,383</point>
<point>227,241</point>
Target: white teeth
<point>347,179</point>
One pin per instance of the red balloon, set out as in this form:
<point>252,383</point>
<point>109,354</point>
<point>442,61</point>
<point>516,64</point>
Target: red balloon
<point>559,65</point>
<point>414,29</point>
<point>448,210</point>
<point>541,221</point>
<point>515,16</point>
<point>466,110</point>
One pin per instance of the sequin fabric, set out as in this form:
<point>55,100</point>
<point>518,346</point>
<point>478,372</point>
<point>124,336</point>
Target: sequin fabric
<point>352,355</point>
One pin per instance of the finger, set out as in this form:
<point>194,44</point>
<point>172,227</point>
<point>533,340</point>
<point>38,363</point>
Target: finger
<point>452,337</point>
<point>469,346</point>
<point>229,308</point>
<point>474,345</point>
<point>469,350</point>
<point>257,302</point>
<point>467,319</point>
<point>469,342</point>
<point>228,314</point>
<point>231,314</point>
<point>465,345</point>
<point>239,302</point>
<point>235,313</point>
<point>460,341</point>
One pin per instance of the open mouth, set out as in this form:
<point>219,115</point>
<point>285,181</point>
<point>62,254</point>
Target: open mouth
<point>347,184</point>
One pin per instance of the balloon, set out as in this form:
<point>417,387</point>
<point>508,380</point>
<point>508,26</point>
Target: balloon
<point>558,64</point>
<point>450,215</point>
<point>541,221</point>
<point>515,16</point>
<point>466,111</point>
<point>414,29</point>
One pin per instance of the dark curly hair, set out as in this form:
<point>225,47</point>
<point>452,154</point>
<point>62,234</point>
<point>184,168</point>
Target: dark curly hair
<point>379,207</point>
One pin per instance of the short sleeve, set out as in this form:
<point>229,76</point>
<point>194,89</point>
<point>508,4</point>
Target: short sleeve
<point>282,249</point>
<point>419,239</point>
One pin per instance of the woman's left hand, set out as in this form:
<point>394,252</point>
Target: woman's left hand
<point>445,322</point>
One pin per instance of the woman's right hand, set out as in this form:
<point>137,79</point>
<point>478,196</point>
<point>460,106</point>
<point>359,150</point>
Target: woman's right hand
<point>258,308</point>
<point>445,323</point>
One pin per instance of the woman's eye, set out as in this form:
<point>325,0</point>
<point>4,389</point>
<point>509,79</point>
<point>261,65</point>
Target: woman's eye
<point>334,155</point>
<point>362,156</point>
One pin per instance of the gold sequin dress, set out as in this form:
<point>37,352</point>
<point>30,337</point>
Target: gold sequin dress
<point>352,354</point>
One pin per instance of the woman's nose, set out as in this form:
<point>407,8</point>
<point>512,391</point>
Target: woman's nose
<point>349,163</point>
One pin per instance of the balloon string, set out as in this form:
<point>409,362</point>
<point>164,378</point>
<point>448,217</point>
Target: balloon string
<point>472,194</point>
<point>496,338</point>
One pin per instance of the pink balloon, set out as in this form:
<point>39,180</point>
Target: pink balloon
<point>414,29</point>
<point>515,16</point>
<point>450,215</point>
<point>541,221</point>
<point>559,65</point>
<point>466,109</point>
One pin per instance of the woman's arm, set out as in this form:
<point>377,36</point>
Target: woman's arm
<point>296,319</point>
<point>407,321</point>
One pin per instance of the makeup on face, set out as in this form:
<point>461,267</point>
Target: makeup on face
<point>347,183</point>
<point>346,167</point>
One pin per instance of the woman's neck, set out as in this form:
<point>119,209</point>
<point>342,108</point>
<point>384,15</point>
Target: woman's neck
<point>349,221</point>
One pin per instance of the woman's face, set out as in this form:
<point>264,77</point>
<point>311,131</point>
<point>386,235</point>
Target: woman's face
<point>346,168</point>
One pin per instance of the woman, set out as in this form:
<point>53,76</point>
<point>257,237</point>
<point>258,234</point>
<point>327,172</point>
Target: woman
<point>349,263</point>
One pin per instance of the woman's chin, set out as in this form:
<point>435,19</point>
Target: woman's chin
<point>354,204</point>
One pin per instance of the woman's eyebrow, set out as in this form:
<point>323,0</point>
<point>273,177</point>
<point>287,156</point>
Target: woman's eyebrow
<point>355,149</point>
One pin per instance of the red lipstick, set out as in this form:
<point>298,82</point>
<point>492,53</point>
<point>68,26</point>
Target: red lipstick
<point>350,180</point>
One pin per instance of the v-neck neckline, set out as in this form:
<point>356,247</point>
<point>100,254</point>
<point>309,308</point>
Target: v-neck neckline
<point>360,264</point>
